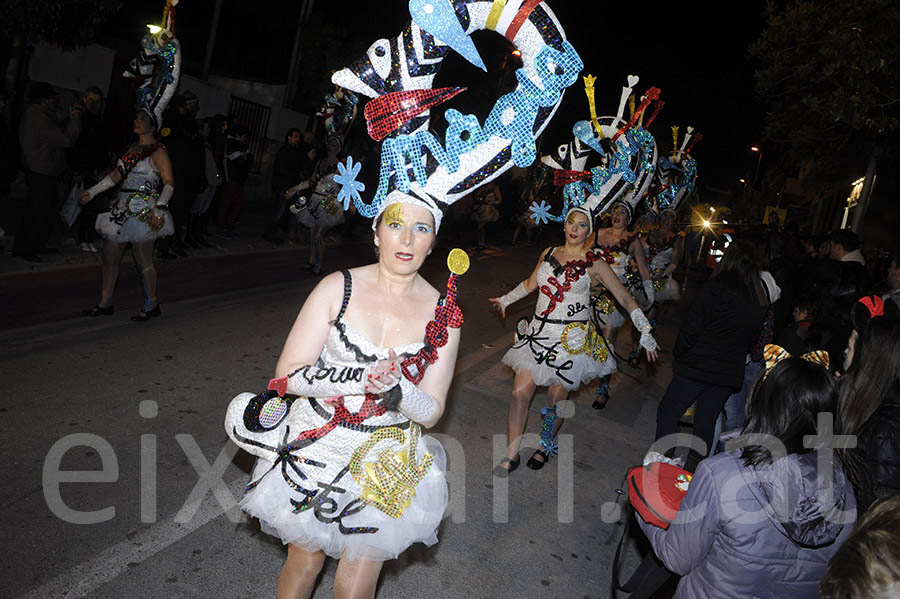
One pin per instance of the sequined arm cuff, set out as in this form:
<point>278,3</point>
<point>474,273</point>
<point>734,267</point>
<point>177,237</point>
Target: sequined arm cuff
<point>101,186</point>
<point>415,404</point>
<point>513,296</point>
<point>323,381</point>
<point>643,325</point>
<point>165,196</point>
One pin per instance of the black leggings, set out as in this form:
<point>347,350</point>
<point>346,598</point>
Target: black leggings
<point>679,395</point>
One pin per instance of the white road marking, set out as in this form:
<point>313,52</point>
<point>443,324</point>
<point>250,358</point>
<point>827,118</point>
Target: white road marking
<point>81,580</point>
<point>110,563</point>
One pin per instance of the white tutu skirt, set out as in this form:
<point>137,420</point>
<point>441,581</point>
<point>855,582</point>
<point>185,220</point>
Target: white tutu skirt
<point>555,356</point>
<point>270,502</point>
<point>132,230</point>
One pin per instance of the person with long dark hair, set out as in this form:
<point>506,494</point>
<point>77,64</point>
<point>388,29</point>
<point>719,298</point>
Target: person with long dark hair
<point>712,343</point>
<point>869,406</point>
<point>763,520</point>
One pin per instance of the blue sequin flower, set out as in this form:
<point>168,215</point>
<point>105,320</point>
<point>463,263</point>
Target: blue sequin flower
<point>540,213</point>
<point>350,187</point>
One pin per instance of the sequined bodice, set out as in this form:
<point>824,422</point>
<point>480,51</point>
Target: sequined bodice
<point>343,337</point>
<point>143,178</point>
<point>574,306</point>
<point>659,258</point>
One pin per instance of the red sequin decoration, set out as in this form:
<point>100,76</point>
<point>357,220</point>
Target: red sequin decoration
<point>446,315</point>
<point>387,113</point>
<point>650,95</point>
<point>561,178</point>
<point>574,270</point>
<point>342,415</point>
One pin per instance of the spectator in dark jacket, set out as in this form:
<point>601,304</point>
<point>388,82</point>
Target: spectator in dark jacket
<point>842,280</point>
<point>237,169</point>
<point>287,171</point>
<point>762,522</point>
<point>43,140</point>
<point>870,401</point>
<point>712,343</point>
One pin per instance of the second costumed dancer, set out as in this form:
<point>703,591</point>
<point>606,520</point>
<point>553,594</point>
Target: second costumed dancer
<point>560,347</point>
<point>140,214</point>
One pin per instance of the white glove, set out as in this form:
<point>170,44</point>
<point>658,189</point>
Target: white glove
<point>648,290</point>
<point>101,186</point>
<point>165,196</point>
<point>415,404</point>
<point>324,381</point>
<point>513,296</point>
<point>643,325</point>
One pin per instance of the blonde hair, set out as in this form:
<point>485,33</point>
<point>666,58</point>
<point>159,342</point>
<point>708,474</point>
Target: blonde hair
<point>867,566</point>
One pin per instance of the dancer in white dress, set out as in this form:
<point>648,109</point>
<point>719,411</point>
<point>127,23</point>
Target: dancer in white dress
<point>343,469</point>
<point>618,246</point>
<point>664,248</point>
<point>140,212</point>
<point>320,211</point>
<point>560,347</point>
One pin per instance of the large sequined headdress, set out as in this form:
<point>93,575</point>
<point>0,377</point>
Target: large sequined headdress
<point>627,154</point>
<point>398,74</point>
<point>157,67</point>
<point>676,173</point>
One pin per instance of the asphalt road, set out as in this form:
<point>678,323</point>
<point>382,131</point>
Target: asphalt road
<point>144,403</point>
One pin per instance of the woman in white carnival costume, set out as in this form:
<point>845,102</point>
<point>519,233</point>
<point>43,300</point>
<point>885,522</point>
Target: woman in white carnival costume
<point>320,211</point>
<point>663,248</point>
<point>560,347</point>
<point>344,471</point>
<point>619,246</point>
<point>140,214</point>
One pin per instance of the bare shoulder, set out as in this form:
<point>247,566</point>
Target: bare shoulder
<point>331,284</point>
<point>427,290</point>
<point>329,292</point>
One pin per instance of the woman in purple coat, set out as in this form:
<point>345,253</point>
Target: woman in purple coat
<point>763,521</point>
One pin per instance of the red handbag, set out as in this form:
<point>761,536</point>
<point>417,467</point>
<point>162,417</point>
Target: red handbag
<point>656,490</point>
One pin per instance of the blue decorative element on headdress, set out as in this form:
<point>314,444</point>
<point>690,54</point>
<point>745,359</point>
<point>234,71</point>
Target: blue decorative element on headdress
<point>350,187</point>
<point>512,117</point>
<point>576,193</point>
<point>540,213</point>
<point>584,131</point>
<point>438,18</point>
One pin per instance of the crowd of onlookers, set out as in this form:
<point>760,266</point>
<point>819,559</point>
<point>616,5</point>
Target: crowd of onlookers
<point>790,353</point>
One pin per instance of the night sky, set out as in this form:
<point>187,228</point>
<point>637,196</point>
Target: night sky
<point>694,52</point>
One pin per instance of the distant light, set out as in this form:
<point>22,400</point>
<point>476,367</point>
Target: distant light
<point>706,223</point>
<point>517,53</point>
<point>754,149</point>
<point>741,180</point>
<point>858,181</point>
<point>154,29</point>
<point>724,222</point>
<point>711,209</point>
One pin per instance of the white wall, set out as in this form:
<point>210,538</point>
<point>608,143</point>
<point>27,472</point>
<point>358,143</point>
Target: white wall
<point>76,69</point>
